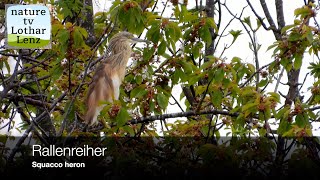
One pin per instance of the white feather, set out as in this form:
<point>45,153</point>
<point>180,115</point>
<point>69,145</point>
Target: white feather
<point>116,84</point>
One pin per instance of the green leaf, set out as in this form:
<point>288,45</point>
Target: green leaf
<point>289,133</point>
<point>196,50</point>
<point>304,11</point>
<point>205,130</point>
<point>187,33</point>
<point>217,98</point>
<point>175,77</point>
<point>297,62</point>
<point>114,7</point>
<point>187,67</point>
<point>56,27</point>
<point>219,75</point>
<point>286,28</point>
<point>284,126</point>
<point>283,113</point>
<point>309,36</point>
<point>162,47</point>
<point>300,120</point>
<point>312,115</point>
<point>71,108</point>
<point>63,36</point>
<point>262,132</point>
<point>236,60</point>
<point>122,117</point>
<point>153,33</point>
<point>263,82</point>
<point>294,36</point>
<point>251,68</point>
<point>248,106</point>
<point>77,38</point>
<point>217,133</point>
<point>187,16</point>
<point>131,16</point>
<point>258,24</point>
<point>147,53</point>
<point>174,31</point>
<point>162,100</point>
<point>208,64</point>
<point>267,113</point>
<point>182,75</point>
<point>272,46</point>
<point>247,21</point>
<point>129,130</point>
<point>57,72</point>
<point>177,13</point>
<point>139,79</point>
<point>275,96</point>
<point>212,24</point>
<point>193,79</point>
<point>205,34</point>
<point>83,32</point>
<point>51,93</point>
<point>151,106</point>
<point>235,35</point>
<point>138,91</point>
<point>200,89</point>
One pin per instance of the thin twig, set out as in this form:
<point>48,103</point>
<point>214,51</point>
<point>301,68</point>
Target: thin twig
<point>259,18</point>
<point>278,80</point>
<point>12,78</point>
<point>304,80</point>
<point>248,80</point>
<point>31,127</point>
<point>265,8</point>
<point>177,103</point>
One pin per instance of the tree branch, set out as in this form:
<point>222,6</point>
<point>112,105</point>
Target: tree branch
<point>259,18</point>
<point>12,78</point>
<point>172,115</point>
<point>280,15</point>
<point>187,92</point>
<point>183,114</point>
<point>278,80</point>
<point>248,80</point>
<point>31,127</point>
<point>270,20</point>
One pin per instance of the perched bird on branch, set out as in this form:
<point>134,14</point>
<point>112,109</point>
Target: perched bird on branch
<point>109,75</point>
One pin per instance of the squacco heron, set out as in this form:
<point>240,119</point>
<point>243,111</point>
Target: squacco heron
<point>109,75</point>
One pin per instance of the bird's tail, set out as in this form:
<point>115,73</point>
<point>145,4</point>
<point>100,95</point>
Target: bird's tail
<point>93,110</point>
<point>92,115</point>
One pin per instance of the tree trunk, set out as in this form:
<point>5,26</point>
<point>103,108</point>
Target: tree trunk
<point>293,76</point>
<point>88,23</point>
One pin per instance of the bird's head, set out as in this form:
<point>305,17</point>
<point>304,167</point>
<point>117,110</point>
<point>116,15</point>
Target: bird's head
<point>121,41</point>
<point>128,37</point>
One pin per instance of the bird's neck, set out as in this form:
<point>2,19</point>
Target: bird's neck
<point>121,47</point>
<point>119,58</point>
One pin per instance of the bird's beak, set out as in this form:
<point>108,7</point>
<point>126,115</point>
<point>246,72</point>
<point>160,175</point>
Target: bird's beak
<point>140,40</point>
